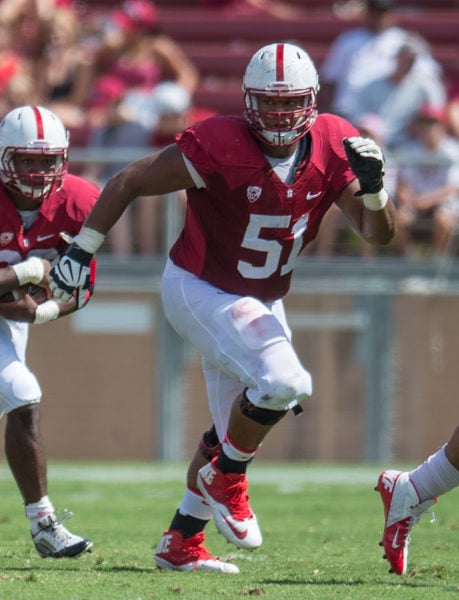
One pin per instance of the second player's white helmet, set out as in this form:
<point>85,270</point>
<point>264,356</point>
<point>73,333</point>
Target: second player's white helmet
<point>33,130</point>
<point>282,70</point>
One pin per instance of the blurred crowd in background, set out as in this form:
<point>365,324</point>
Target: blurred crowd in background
<point>118,81</point>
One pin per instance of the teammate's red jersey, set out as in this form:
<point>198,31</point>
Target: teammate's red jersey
<point>245,229</point>
<point>62,213</point>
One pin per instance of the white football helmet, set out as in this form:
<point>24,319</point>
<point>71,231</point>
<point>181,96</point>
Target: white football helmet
<point>33,130</point>
<point>286,71</point>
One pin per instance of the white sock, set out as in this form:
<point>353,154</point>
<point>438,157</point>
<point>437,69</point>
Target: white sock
<point>195,505</point>
<point>436,476</point>
<point>236,452</point>
<point>36,510</point>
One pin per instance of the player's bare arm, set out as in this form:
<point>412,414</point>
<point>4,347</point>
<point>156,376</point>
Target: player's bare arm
<point>33,270</point>
<point>376,227</point>
<point>8,280</point>
<point>24,309</point>
<point>30,302</point>
<point>153,175</point>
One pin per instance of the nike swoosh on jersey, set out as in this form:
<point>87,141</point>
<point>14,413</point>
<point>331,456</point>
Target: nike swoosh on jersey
<point>42,238</point>
<point>311,196</point>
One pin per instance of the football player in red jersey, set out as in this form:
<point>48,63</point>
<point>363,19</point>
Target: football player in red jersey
<point>257,190</point>
<point>42,207</point>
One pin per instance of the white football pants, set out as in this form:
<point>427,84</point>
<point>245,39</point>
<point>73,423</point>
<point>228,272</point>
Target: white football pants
<point>18,385</point>
<point>244,343</point>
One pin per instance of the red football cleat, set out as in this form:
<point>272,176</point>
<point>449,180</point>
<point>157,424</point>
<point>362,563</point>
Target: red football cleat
<point>226,494</point>
<point>402,510</point>
<point>188,554</point>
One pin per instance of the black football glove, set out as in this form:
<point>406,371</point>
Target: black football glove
<point>71,273</point>
<point>367,162</point>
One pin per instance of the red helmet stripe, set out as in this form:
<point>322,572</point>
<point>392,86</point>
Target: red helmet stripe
<point>280,62</point>
<point>39,121</point>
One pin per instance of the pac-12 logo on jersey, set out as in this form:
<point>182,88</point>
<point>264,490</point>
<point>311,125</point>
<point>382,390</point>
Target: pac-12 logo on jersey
<point>253,193</point>
<point>5,238</point>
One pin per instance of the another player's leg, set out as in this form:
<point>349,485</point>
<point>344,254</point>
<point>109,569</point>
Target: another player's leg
<point>20,396</point>
<point>408,496</point>
<point>402,510</point>
<point>182,546</point>
<point>26,458</point>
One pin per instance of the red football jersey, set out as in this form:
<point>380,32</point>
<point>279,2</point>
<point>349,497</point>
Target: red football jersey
<point>244,231</point>
<point>63,212</point>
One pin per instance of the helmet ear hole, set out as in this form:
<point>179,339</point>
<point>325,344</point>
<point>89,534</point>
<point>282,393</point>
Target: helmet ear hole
<point>36,131</point>
<point>282,71</point>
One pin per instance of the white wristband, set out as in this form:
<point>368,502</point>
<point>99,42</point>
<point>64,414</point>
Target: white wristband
<point>31,270</point>
<point>376,201</point>
<point>89,239</point>
<point>48,311</point>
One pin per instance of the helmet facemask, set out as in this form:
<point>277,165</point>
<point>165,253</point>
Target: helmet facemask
<point>36,132</point>
<point>281,72</point>
<point>34,185</point>
<point>281,128</point>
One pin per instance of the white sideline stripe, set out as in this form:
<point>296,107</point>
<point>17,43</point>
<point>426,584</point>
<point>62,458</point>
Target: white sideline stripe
<point>284,476</point>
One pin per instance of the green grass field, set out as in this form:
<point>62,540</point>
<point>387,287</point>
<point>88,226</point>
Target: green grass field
<point>321,526</point>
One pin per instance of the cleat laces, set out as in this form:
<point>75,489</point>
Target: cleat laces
<point>238,500</point>
<point>54,540</point>
<point>414,520</point>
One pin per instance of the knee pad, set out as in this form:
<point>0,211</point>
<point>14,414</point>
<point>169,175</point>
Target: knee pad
<point>263,416</point>
<point>209,444</point>
<point>19,387</point>
<point>297,386</point>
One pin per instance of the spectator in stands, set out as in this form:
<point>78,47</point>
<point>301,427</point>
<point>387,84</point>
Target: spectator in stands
<point>428,187</point>
<point>171,112</point>
<point>397,97</point>
<point>134,57</point>
<point>165,114</point>
<point>68,70</point>
<point>452,109</point>
<point>28,26</point>
<point>15,78</point>
<point>363,54</point>
<point>22,38</point>
<point>280,10</point>
<point>162,114</point>
<point>136,51</point>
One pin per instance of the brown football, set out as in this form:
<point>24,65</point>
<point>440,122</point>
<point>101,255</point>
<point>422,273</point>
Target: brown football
<point>38,293</point>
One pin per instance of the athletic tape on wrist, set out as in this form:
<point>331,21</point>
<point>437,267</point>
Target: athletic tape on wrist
<point>376,201</point>
<point>48,311</point>
<point>31,270</point>
<point>89,239</point>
